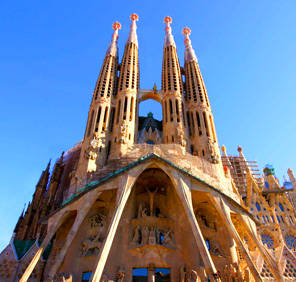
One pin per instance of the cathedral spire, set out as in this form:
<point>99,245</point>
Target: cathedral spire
<point>174,125</point>
<point>112,49</point>
<point>189,52</point>
<point>199,115</point>
<point>124,118</point>
<point>169,38</point>
<point>132,37</point>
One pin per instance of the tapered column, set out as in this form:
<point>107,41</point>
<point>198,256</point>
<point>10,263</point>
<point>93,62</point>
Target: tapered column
<point>122,197</point>
<point>82,212</point>
<point>222,209</point>
<point>185,195</point>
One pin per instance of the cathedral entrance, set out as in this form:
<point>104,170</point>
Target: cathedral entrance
<point>140,275</point>
<point>145,275</point>
<point>162,274</point>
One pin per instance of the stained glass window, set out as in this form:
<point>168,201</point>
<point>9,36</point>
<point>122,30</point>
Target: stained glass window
<point>267,240</point>
<point>290,240</point>
<point>281,207</point>
<point>258,206</point>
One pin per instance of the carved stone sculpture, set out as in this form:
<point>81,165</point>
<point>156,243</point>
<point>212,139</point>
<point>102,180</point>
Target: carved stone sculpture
<point>167,240</point>
<point>136,237</point>
<point>92,244</point>
<point>120,274</point>
<point>145,235</point>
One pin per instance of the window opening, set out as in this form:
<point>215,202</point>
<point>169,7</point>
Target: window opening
<point>90,123</point>
<point>198,124</point>
<point>208,244</point>
<point>125,108</point>
<point>98,119</point>
<point>111,122</point>
<point>206,123</point>
<point>162,274</point>
<point>171,110</point>
<point>131,108</point>
<point>86,276</point>
<point>140,275</point>
<point>177,111</point>
<point>118,111</point>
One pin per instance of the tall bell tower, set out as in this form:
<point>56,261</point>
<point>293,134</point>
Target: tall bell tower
<point>96,143</point>
<point>202,133</point>
<point>174,124</point>
<point>125,117</point>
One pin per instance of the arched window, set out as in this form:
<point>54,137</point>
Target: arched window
<point>281,207</point>
<point>258,206</point>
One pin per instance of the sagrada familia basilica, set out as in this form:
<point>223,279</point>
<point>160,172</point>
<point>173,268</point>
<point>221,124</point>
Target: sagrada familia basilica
<point>145,200</point>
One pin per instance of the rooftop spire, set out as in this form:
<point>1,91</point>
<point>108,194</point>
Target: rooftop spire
<point>169,38</point>
<point>132,37</point>
<point>189,52</point>
<point>112,49</point>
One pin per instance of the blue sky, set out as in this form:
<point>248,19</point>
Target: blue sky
<point>52,51</point>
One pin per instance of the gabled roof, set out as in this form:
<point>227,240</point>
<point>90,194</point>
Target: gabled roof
<point>94,184</point>
<point>23,246</point>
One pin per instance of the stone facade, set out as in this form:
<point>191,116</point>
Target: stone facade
<point>145,200</point>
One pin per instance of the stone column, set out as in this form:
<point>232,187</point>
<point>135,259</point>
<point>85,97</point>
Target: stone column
<point>185,194</point>
<point>151,273</point>
<point>122,197</point>
<point>82,212</point>
<point>228,223</point>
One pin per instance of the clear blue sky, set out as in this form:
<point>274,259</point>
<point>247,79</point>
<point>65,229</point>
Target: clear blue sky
<point>52,51</point>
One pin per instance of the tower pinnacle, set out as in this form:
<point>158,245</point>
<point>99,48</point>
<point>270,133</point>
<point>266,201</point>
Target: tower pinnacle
<point>132,37</point>
<point>189,52</point>
<point>112,49</point>
<point>169,39</point>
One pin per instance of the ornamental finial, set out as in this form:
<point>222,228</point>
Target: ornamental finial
<point>112,49</point>
<point>169,39</point>
<point>189,52</point>
<point>132,37</point>
<point>134,17</point>
<point>186,31</point>
<point>116,26</point>
<point>239,148</point>
<point>168,20</point>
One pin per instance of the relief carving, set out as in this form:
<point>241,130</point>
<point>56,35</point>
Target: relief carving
<point>91,150</point>
<point>122,139</point>
<point>144,235</point>
<point>213,156</point>
<point>92,244</point>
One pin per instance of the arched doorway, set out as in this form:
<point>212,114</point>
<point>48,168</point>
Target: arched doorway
<point>149,121</point>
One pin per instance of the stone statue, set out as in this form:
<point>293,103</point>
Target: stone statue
<point>152,239</point>
<point>167,240</point>
<point>120,274</point>
<point>93,243</point>
<point>215,248</point>
<point>98,220</point>
<point>145,235</point>
<point>151,198</point>
<point>136,237</point>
